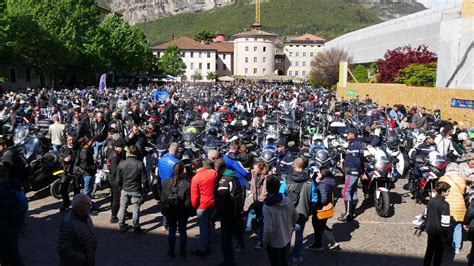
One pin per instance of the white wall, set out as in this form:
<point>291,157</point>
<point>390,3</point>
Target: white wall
<point>299,57</point>
<point>265,64</point>
<point>196,60</point>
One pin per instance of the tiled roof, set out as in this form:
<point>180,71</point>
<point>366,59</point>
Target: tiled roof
<point>251,33</point>
<point>223,47</point>
<point>184,43</point>
<point>307,38</point>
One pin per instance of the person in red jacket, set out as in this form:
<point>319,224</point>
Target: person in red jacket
<point>203,186</point>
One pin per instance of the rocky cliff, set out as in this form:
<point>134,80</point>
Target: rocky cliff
<point>137,11</point>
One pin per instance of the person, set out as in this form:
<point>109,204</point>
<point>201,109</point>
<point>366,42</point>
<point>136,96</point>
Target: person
<point>99,133</point>
<point>232,161</point>
<point>165,169</point>
<point>285,158</point>
<point>419,120</point>
<point>229,207</point>
<point>395,114</point>
<point>67,157</point>
<point>203,186</point>
<point>457,206</point>
<point>279,217</point>
<point>137,138</point>
<point>131,176</point>
<point>437,225</point>
<point>245,156</point>
<point>85,165</point>
<point>467,168</point>
<point>404,124</point>
<point>468,225</point>
<point>177,194</point>
<point>77,242</point>
<point>13,160</point>
<point>353,169</point>
<point>13,205</point>
<point>297,186</point>
<point>325,189</point>
<point>115,156</point>
<point>444,143</point>
<point>56,133</point>
<point>258,183</point>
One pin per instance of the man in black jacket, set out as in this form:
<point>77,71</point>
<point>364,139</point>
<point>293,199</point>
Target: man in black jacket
<point>99,133</point>
<point>67,156</point>
<point>113,159</point>
<point>437,225</point>
<point>12,159</point>
<point>131,176</point>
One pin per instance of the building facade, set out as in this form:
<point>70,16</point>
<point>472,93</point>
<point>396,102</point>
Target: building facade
<point>201,58</point>
<point>299,54</point>
<point>254,53</point>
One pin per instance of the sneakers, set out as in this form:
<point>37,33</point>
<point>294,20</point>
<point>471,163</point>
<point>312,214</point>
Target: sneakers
<point>333,246</point>
<point>297,261</point>
<point>114,220</point>
<point>457,251</point>
<point>315,247</point>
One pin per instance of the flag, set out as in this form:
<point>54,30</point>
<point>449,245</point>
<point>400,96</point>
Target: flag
<point>161,96</point>
<point>103,83</point>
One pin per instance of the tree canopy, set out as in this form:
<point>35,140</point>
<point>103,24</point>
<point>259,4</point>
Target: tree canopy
<point>171,62</point>
<point>204,36</point>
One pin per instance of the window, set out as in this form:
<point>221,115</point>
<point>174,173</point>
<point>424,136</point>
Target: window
<point>264,48</point>
<point>264,71</point>
<point>264,59</point>
<point>304,63</point>
<point>311,54</point>
<point>290,73</point>
<point>296,63</point>
<point>255,71</point>
<point>246,59</point>
<point>304,54</point>
<point>296,73</point>
<point>311,63</point>
<point>255,60</point>
<point>304,45</point>
<point>208,55</point>
<point>304,73</point>
<point>297,46</point>
<point>246,70</point>
<point>289,63</point>
<point>28,74</point>
<point>12,74</point>
<point>246,48</point>
<point>291,54</point>
<point>200,55</point>
<point>255,48</point>
<point>291,45</point>
<point>319,45</point>
<point>246,39</point>
<point>183,54</point>
<point>208,65</point>
<point>192,54</point>
<point>200,65</point>
<point>192,65</point>
<point>297,54</point>
<point>223,56</point>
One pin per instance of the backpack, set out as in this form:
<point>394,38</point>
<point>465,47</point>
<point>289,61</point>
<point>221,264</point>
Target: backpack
<point>173,204</point>
<point>293,194</point>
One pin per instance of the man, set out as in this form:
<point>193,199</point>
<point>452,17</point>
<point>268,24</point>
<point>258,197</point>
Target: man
<point>395,114</point>
<point>13,160</point>
<point>99,133</point>
<point>230,206</point>
<point>297,186</point>
<point>77,239</point>
<point>353,169</point>
<point>131,176</point>
<point>437,225</point>
<point>203,186</point>
<point>67,156</point>
<point>467,168</point>
<point>232,161</point>
<point>285,158</point>
<point>13,205</point>
<point>279,216</point>
<point>56,133</point>
<point>138,139</point>
<point>113,160</point>
<point>213,155</point>
<point>419,119</point>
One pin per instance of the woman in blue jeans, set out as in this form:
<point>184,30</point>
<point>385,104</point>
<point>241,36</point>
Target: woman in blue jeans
<point>85,165</point>
<point>176,207</point>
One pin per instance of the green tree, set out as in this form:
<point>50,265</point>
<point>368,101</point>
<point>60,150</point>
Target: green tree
<point>171,62</point>
<point>212,75</point>
<point>204,36</point>
<point>418,75</point>
<point>197,75</point>
<point>361,74</point>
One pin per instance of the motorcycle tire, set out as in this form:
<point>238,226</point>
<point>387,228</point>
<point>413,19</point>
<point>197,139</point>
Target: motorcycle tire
<point>382,204</point>
<point>55,189</point>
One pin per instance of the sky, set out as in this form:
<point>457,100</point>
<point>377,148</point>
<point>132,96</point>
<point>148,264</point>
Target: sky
<point>435,3</point>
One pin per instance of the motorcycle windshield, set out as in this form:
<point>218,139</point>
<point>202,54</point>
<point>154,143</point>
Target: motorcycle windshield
<point>381,160</point>
<point>438,161</point>
<point>21,132</point>
<point>33,146</point>
<point>190,134</point>
<point>392,135</point>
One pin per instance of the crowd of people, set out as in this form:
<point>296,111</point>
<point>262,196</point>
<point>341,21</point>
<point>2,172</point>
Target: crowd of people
<point>113,129</point>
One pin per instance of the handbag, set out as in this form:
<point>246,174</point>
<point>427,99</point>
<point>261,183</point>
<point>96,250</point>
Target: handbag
<point>327,211</point>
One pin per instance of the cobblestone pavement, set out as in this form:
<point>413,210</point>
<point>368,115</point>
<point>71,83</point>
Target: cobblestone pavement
<point>370,240</point>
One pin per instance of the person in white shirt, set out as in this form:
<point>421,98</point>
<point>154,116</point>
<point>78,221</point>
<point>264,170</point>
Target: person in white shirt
<point>56,133</point>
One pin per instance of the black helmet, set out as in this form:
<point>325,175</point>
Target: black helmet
<point>212,131</point>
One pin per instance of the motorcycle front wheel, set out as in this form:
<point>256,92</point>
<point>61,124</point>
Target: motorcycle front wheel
<point>55,189</point>
<point>382,204</point>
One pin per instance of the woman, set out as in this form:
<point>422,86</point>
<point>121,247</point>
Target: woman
<point>325,189</point>
<point>259,193</point>
<point>444,143</point>
<point>457,206</point>
<point>85,166</point>
<point>177,208</point>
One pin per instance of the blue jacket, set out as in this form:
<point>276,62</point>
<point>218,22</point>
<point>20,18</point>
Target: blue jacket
<point>354,159</point>
<point>238,168</point>
<point>285,162</point>
<point>325,189</point>
<point>166,166</point>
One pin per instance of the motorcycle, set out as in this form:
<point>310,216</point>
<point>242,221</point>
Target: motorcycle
<point>431,170</point>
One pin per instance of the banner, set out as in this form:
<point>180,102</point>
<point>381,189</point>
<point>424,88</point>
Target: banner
<point>352,93</point>
<point>161,96</point>
<point>460,103</point>
<point>103,83</point>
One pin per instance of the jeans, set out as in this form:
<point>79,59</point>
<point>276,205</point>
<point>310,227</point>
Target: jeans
<point>98,148</point>
<point>56,147</point>
<point>457,235</point>
<point>180,224</point>
<point>134,198</point>
<point>299,229</point>
<point>434,251</point>
<point>278,256</point>
<point>88,185</point>
<point>205,228</point>
<point>349,192</point>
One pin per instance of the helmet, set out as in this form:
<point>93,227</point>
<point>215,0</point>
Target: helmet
<point>212,131</point>
<point>268,156</point>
